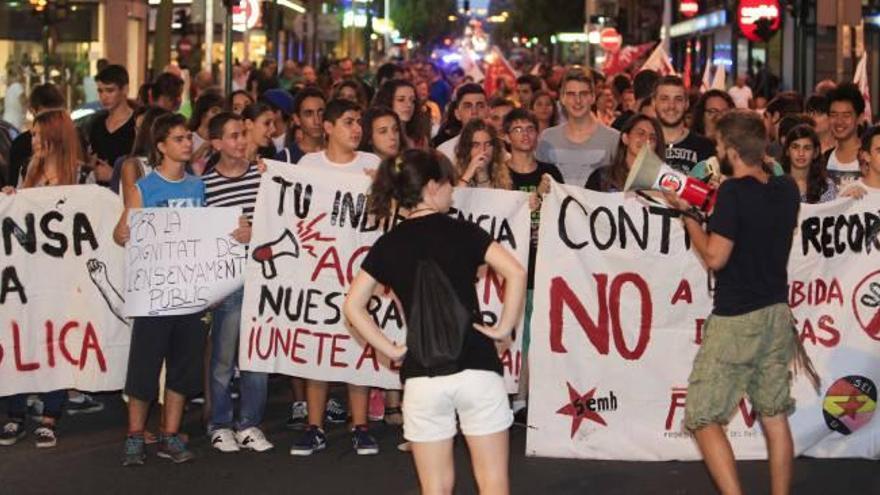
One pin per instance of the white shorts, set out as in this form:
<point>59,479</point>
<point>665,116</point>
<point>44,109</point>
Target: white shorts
<point>431,403</point>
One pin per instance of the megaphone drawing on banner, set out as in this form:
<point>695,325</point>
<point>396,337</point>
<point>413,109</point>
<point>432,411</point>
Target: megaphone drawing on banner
<point>266,254</point>
<point>649,172</point>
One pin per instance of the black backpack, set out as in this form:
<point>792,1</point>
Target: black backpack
<point>437,321</point>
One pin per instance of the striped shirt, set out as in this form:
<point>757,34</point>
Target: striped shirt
<point>241,191</point>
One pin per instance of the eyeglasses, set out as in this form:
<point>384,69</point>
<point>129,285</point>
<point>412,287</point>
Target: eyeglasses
<point>524,130</point>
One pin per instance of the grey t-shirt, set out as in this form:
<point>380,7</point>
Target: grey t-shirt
<point>577,161</point>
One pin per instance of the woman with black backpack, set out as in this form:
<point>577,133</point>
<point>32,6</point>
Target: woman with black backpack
<point>450,363</point>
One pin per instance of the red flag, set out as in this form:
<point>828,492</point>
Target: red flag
<point>687,67</point>
<point>623,59</point>
<point>497,68</point>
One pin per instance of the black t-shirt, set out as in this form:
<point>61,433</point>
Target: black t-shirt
<point>529,183</point>
<point>760,220</point>
<point>691,150</point>
<point>110,146</point>
<point>459,248</point>
<point>20,153</point>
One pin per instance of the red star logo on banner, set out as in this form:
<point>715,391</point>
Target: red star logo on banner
<point>578,410</point>
<point>851,406</point>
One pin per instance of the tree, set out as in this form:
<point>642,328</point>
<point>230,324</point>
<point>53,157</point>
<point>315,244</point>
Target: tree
<point>543,18</point>
<point>423,20</point>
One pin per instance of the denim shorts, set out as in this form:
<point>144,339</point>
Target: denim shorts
<point>743,354</point>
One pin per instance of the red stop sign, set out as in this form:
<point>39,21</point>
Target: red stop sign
<point>689,8</point>
<point>749,11</point>
<point>610,39</point>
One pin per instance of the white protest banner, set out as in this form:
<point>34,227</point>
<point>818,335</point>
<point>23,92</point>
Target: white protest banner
<point>61,323</point>
<point>311,232</point>
<point>620,302</point>
<point>181,260</point>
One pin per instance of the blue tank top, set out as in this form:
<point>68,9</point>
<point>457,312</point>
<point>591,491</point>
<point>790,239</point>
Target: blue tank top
<point>157,191</point>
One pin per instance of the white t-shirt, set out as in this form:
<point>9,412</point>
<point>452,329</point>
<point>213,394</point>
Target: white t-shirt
<point>13,110</point>
<point>362,161</point>
<point>843,173</point>
<point>448,148</point>
<point>741,96</point>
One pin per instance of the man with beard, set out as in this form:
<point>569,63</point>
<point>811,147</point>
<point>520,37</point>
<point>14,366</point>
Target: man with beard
<point>684,148</point>
<point>748,339</point>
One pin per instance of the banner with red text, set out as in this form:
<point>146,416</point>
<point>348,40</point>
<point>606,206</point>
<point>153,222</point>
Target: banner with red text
<point>61,323</point>
<point>619,305</point>
<point>311,232</point>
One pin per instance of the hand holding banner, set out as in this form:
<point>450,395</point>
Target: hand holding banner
<point>311,232</point>
<point>620,306</point>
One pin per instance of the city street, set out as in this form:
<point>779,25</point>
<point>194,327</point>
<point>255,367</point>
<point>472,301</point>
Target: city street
<point>649,222</point>
<point>86,460</point>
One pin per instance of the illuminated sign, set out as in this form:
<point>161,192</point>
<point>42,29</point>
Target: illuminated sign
<point>704,22</point>
<point>750,12</point>
<point>689,8</point>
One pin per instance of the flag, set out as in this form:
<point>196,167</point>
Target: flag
<point>707,73</point>
<point>497,68</point>
<point>720,79</point>
<point>623,59</point>
<point>687,67</point>
<point>659,61</point>
<point>860,79</point>
<point>469,66</point>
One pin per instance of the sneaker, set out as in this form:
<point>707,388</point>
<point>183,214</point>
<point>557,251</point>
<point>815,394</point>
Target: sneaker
<point>13,431</point>
<point>224,440</point>
<point>172,447</point>
<point>253,439</point>
<point>312,440</point>
<point>134,453</point>
<point>198,400</point>
<point>45,436</point>
<point>83,404</point>
<point>363,442</point>
<point>299,414</point>
<point>335,413</point>
<point>376,408</point>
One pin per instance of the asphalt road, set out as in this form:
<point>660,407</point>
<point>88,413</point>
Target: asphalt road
<point>86,461</point>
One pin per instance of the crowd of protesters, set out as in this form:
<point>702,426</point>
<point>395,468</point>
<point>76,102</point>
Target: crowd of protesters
<point>182,144</point>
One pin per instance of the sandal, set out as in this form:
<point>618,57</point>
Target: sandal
<point>393,416</point>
